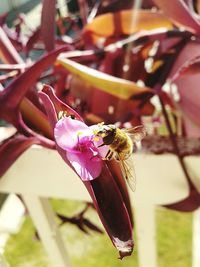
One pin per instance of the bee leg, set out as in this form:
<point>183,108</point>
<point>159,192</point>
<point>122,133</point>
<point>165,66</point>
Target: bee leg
<point>109,155</point>
<point>101,145</point>
<point>117,158</point>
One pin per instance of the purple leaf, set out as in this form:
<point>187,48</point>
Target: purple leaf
<point>8,53</point>
<point>188,53</point>
<point>48,24</point>
<point>92,226</point>
<point>32,40</point>
<point>180,13</point>
<point>12,148</point>
<point>187,80</point>
<point>19,87</point>
<point>3,17</point>
<point>11,97</point>
<point>53,104</point>
<point>188,204</point>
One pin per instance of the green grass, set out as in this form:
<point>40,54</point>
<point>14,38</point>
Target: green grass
<point>174,238</point>
<point>95,250</point>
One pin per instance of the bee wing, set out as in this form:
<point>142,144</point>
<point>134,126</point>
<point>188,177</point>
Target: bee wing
<point>136,133</point>
<point>128,171</point>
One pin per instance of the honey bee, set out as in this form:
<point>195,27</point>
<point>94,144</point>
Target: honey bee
<point>121,144</point>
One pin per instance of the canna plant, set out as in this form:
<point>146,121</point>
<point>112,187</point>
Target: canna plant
<point>110,54</point>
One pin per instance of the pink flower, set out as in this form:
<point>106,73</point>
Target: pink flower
<point>81,147</point>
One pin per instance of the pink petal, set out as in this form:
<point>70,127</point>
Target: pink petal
<point>103,150</point>
<point>66,132</point>
<point>87,166</point>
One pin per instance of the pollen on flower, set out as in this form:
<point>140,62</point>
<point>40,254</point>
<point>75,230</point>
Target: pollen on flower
<point>95,138</point>
<point>79,133</point>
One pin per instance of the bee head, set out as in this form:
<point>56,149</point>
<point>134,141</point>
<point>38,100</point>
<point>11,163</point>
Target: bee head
<point>107,133</point>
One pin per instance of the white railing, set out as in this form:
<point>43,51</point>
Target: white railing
<point>40,173</point>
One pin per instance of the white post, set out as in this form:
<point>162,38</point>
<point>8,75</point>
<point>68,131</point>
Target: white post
<point>44,220</point>
<point>144,217</point>
<point>196,239</point>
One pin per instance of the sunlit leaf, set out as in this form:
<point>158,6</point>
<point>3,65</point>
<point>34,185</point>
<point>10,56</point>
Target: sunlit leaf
<point>118,87</point>
<point>197,6</point>
<point>9,67</point>
<point>126,22</point>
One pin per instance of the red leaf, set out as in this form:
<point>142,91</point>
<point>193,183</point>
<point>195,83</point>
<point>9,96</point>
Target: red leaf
<point>12,95</point>
<point>7,52</point>
<point>48,24</point>
<point>3,17</point>
<point>187,81</point>
<point>19,87</point>
<point>53,103</point>
<point>12,148</point>
<point>32,40</point>
<point>188,204</point>
<point>180,14</point>
<point>188,53</point>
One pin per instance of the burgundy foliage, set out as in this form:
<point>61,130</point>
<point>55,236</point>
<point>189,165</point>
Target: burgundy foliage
<point>162,48</point>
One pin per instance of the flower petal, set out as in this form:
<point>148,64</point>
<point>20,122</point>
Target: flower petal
<point>87,166</point>
<point>66,132</point>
